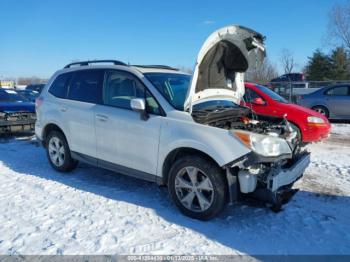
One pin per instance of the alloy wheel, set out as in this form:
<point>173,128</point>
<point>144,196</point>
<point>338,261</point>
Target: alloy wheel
<point>194,189</point>
<point>321,111</point>
<point>56,151</point>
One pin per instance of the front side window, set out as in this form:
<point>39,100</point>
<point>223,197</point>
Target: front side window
<point>121,87</point>
<point>250,95</point>
<point>86,86</point>
<point>59,86</point>
<point>172,86</point>
<point>338,91</point>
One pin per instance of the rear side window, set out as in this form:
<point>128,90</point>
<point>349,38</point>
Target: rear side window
<point>338,91</point>
<point>59,86</point>
<point>86,86</point>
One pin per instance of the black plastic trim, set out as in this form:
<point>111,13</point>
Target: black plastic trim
<point>157,66</point>
<point>254,158</point>
<point>86,63</point>
<point>116,168</point>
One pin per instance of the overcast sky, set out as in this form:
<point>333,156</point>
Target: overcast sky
<point>39,37</point>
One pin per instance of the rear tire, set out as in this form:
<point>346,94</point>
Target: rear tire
<point>322,110</point>
<point>197,187</point>
<point>58,152</point>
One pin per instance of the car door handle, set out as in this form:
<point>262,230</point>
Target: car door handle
<point>102,118</point>
<point>63,109</point>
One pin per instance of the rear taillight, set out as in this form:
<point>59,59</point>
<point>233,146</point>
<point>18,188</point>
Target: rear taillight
<point>38,102</point>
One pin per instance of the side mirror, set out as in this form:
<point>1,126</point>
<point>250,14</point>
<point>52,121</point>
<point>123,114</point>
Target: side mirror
<point>139,105</point>
<point>258,101</point>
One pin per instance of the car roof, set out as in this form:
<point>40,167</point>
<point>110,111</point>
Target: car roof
<point>143,69</point>
<point>140,68</point>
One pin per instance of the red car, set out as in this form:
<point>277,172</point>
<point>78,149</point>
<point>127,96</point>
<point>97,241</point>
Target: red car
<point>312,125</point>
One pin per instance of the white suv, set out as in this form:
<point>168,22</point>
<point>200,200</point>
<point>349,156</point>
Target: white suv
<point>162,125</point>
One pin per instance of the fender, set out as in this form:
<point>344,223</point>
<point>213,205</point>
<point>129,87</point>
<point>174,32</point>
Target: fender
<point>220,144</point>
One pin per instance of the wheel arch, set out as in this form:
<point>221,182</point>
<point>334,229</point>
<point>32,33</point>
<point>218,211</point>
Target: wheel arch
<point>320,105</point>
<point>324,106</point>
<point>299,127</point>
<point>49,128</point>
<point>178,153</point>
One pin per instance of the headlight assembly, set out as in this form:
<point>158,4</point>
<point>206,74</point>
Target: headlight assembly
<point>263,144</point>
<point>315,120</point>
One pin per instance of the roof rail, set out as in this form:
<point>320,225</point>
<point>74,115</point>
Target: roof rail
<point>157,66</point>
<point>85,63</point>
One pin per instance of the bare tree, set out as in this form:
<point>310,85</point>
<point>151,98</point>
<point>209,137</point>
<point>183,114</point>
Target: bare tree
<point>30,80</point>
<point>262,74</point>
<point>287,61</point>
<point>339,24</point>
<point>185,69</point>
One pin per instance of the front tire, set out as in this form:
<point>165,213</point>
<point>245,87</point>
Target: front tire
<point>58,152</point>
<point>197,187</point>
<point>322,110</point>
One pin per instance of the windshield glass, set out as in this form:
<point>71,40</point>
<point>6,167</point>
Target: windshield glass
<point>214,104</point>
<point>11,96</point>
<point>271,94</point>
<point>172,86</point>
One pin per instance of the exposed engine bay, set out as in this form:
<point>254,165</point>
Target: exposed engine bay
<point>243,118</point>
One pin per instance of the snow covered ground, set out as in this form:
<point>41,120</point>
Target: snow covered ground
<point>93,211</point>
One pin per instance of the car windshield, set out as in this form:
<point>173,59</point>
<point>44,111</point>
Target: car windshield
<point>172,86</point>
<point>11,96</point>
<point>271,94</point>
<point>215,104</point>
<point>30,95</point>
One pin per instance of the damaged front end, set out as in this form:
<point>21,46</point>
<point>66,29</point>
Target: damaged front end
<point>267,179</point>
<point>276,159</point>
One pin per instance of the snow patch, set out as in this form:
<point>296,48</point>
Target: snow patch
<point>93,211</point>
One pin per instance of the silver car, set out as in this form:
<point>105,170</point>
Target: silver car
<point>331,101</point>
<point>158,124</point>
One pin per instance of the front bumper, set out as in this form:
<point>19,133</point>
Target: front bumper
<point>287,176</point>
<point>16,126</point>
<point>11,122</point>
<point>276,189</point>
<point>315,133</point>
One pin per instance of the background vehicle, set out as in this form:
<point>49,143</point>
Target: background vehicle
<point>35,87</point>
<point>311,126</point>
<point>16,113</point>
<point>332,101</point>
<point>141,121</point>
<point>289,85</point>
<point>292,77</point>
<point>28,94</point>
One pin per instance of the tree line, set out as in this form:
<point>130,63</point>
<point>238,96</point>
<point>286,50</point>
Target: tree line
<point>320,66</point>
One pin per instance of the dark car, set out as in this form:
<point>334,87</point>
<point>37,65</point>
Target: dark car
<point>29,94</point>
<point>16,112</point>
<point>292,77</point>
<point>331,101</point>
<point>35,87</point>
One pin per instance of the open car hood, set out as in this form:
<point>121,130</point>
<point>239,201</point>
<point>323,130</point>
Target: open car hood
<point>221,63</point>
